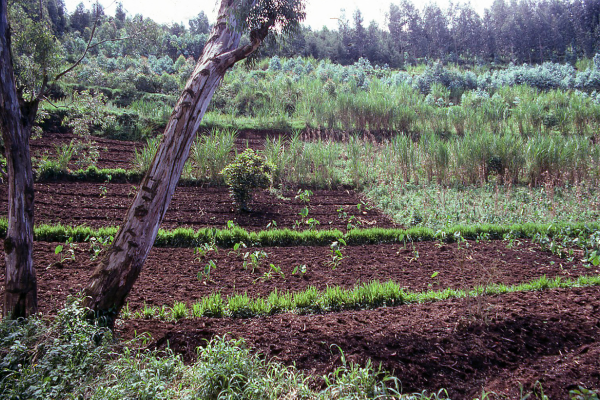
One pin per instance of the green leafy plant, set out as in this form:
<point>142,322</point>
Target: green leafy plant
<point>97,244</point>
<point>247,172</point>
<point>304,195</point>
<point>300,268</point>
<point>205,274</point>
<point>66,251</point>
<point>581,393</point>
<point>254,259</point>
<point>336,253</point>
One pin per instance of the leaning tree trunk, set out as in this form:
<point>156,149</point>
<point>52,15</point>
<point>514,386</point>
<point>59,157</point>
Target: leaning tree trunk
<point>117,272</point>
<point>20,296</point>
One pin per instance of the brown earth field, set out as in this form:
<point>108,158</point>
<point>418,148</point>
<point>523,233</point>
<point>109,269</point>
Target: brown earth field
<point>497,343</point>
<point>513,341</point>
<point>97,205</point>
<point>171,274</point>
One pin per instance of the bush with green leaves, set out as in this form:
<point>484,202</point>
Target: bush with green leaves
<point>247,172</point>
<point>37,362</point>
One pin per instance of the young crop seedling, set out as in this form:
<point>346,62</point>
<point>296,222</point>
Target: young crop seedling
<point>65,253</point>
<point>312,223</point>
<point>336,253</point>
<point>273,269</point>
<point>272,224</point>
<point>300,268</point>
<point>304,196</point>
<point>202,250</point>
<point>460,240</point>
<point>237,248</point>
<point>97,244</point>
<point>352,221</point>
<point>254,259</point>
<point>204,276</point>
<point>103,188</point>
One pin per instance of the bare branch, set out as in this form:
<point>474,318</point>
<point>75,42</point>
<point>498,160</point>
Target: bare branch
<point>109,40</point>
<point>87,48</point>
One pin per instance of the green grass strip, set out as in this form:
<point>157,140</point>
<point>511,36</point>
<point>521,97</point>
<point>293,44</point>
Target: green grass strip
<point>94,174</point>
<point>362,297</point>
<point>227,238</point>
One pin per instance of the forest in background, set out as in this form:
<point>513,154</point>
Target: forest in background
<point>516,31</point>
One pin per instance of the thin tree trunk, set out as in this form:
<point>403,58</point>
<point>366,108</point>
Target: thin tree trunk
<point>115,275</point>
<point>20,298</point>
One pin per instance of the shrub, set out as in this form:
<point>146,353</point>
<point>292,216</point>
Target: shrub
<point>247,172</point>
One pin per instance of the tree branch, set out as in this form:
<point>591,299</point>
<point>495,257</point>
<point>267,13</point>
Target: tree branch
<point>87,48</point>
<point>256,38</point>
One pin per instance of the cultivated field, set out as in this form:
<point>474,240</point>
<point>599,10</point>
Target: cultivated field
<point>448,310</point>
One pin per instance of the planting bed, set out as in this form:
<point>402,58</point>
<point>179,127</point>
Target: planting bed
<point>113,153</point>
<point>171,275</point>
<point>120,153</point>
<point>498,344</point>
<point>494,342</point>
<point>97,205</point>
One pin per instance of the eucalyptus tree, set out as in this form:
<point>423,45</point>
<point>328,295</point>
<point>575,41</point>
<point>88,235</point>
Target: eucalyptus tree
<point>30,60</point>
<point>120,267</point>
<point>23,81</point>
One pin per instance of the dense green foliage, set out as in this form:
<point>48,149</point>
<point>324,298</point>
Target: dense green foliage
<point>249,171</point>
<point>519,31</point>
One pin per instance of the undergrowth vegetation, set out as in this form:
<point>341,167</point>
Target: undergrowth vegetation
<point>72,358</point>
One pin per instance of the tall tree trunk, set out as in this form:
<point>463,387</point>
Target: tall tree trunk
<point>16,119</point>
<point>117,272</point>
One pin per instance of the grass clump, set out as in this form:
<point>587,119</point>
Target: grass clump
<point>364,296</point>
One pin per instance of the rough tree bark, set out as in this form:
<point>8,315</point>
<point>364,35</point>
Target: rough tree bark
<point>16,121</point>
<point>114,277</point>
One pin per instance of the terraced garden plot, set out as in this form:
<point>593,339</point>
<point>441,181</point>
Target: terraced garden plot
<point>498,344</point>
<point>113,153</point>
<point>120,153</point>
<point>97,205</point>
<point>463,344</point>
<point>177,275</point>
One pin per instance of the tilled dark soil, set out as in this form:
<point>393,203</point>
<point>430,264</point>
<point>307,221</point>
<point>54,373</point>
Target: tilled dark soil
<point>171,274</point>
<point>113,153</point>
<point>497,343</point>
<point>96,205</point>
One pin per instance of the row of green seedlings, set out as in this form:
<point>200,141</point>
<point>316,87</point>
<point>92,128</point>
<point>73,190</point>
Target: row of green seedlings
<point>365,296</point>
<point>227,238</point>
<point>566,243</point>
<point>304,196</point>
